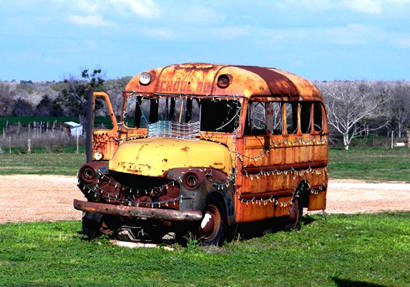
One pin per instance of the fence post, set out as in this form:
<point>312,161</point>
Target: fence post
<point>392,140</point>
<point>53,127</point>
<point>408,138</point>
<point>77,142</point>
<point>28,145</point>
<point>9,145</point>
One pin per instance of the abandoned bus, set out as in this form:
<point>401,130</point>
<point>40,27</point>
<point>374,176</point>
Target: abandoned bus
<point>204,147</point>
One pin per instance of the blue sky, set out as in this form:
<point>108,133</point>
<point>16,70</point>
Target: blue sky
<point>318,39</point>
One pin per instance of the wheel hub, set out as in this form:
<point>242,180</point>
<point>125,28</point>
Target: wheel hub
<point>210,223</point>
<point>207,224</point>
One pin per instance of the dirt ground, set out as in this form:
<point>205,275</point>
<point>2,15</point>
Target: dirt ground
<point>49,197</point>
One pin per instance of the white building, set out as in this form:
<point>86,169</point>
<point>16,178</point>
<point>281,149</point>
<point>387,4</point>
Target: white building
<point>74,129</point>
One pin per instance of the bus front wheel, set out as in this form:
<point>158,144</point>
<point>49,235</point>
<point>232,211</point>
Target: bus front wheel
<point>212,226</point>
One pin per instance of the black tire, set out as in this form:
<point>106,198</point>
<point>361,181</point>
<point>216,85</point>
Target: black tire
<point>91,224</point>
<point>155,233</point>
<point>212,228</point>
<point>109,225</point>
<point>185,232</point>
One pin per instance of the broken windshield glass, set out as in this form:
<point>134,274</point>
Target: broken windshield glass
<point>213,114</point>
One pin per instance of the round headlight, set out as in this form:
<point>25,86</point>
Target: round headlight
<point>98,156</point>
<point>145,78</point>
<point>191,180</point>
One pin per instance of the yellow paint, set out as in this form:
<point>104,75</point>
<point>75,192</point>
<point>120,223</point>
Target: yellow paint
<point>155,156</point>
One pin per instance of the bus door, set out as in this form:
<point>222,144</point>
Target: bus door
<point>104,127</point>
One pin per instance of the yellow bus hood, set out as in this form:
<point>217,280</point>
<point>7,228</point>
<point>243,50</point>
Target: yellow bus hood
<point>155,156</point>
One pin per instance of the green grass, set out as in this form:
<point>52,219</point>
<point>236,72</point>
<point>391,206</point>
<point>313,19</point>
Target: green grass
<point>41,163</point>
<point>342,249</point>
<point>370,163</point>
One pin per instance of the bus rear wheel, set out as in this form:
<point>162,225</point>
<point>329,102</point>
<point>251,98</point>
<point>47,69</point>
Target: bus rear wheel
<point>295,216</point>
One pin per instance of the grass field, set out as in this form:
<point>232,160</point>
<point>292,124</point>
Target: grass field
<point>41,163</point>
<point>340,250</point>
<point>368,163</point>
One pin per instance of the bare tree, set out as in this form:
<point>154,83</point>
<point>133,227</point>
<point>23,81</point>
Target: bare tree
<point>115,88</point>
<point>6,99</point>
<point>73,99</point>
<point>399,107</point>
<point>351,105</point>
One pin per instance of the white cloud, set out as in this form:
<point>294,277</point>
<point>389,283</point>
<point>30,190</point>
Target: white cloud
<point>230,32</point>
<point>364,6</point>
<point>87,6</point>
<point>346,35</point>
<point>159,33</point>
<point>351,34</point>
<point>199,15</point>
<point>142,8</point>
<point>93,20</point>
<point>306,4</point>
<point>403,41</point>
<point>360,6</point>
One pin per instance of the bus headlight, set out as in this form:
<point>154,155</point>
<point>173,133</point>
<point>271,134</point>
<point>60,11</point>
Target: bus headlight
<point>191,181</point>
<point>98,156</point>
<point>145,78</point>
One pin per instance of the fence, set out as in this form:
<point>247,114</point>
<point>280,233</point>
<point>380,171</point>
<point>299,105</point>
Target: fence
<point>50,136</point>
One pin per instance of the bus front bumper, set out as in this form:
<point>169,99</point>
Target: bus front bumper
<point>139,212</point>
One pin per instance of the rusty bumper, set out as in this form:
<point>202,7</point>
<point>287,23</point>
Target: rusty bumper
<point>141,212</point>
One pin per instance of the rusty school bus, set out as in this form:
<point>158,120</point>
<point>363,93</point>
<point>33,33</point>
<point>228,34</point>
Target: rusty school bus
<point>206,147</point>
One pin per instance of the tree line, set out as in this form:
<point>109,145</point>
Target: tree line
<point>355,108</point>
<point>361,108</point>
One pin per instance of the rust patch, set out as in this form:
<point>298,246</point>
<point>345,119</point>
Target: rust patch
<point>277,83</point>
<point>132,211</point>
<point>139,151</point>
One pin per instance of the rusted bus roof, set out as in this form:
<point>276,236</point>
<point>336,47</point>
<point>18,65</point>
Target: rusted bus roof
<point>248,81</point>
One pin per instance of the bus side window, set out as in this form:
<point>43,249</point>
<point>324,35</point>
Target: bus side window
<point>218,116</point>
<point>291,118</point>
<point>255,122</point>
<point>317,117</point>
<point>274,118</point>
<point>305,120</point>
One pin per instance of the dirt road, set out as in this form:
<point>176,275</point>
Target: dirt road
<point>49,197</point>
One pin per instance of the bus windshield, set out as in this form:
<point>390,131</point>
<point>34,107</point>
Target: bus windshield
<point>217,114</point>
